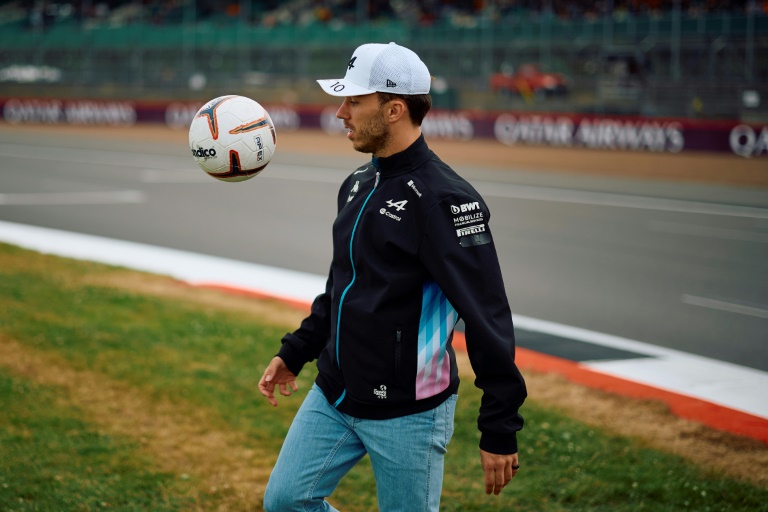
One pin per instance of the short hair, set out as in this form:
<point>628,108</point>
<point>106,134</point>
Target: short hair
<point>418,104</point>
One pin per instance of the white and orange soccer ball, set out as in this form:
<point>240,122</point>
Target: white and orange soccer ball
<point>232,138</point>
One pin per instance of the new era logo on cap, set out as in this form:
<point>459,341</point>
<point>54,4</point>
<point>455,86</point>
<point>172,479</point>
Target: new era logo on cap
<point>381,67</point>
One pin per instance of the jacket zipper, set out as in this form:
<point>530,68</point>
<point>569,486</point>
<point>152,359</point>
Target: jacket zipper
<point>354,276</point>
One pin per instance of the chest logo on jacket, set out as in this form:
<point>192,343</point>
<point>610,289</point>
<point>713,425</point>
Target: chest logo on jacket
<point>413,187</point>
<point>354,190</point>
<point>397,205</point>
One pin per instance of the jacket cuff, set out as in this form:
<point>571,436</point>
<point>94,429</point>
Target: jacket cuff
<point>500,444</point>
<point>292,358</point>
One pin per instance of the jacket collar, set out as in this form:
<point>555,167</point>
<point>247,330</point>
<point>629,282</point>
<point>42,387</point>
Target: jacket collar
<point>405,161</point>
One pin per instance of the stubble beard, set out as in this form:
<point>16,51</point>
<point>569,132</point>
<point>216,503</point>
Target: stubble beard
<point>373,137</point>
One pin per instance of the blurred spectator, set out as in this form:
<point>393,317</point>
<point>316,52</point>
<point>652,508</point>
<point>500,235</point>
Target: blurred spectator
<point>40,14</point>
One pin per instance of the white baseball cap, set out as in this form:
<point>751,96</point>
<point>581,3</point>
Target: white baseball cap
<point>383,68</point>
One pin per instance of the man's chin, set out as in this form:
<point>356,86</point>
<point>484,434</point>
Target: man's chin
<point>361,147</point>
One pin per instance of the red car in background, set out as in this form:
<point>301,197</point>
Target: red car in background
<point>529,81</point>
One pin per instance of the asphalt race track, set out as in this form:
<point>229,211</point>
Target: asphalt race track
<point>672,264</point>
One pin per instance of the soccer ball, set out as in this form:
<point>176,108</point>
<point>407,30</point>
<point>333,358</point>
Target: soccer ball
<point>232,138</point>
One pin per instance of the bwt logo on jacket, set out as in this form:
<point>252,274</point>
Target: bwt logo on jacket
<point>466,207</point>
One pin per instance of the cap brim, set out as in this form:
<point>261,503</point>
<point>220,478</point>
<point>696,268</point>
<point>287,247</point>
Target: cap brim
<point>342,87</point>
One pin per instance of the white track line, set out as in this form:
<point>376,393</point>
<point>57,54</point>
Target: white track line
<point>70,198</point>
<point>737,235</point>
<point>186,266</point>
<point>497,189</point>
<point>488,188</point>
<point>275,171</point>
<point>585,197</point>
<point>719,382</point>
<point>174,176</point>
<point>509,190</point>
<point>721,305</point>
<point>714,381</point>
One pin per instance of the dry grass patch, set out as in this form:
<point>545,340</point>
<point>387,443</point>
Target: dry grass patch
<point>182,439</point>
<point>269,310</point>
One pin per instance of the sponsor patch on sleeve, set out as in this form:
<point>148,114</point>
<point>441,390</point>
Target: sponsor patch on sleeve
<point>473,235</point>
<point>472,240</point>
<point>470,230</point>
<point>470,218</point>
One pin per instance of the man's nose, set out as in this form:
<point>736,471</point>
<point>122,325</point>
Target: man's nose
<point>342,113</point>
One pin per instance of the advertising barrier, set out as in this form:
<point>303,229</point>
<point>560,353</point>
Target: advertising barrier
<point>509,128</point>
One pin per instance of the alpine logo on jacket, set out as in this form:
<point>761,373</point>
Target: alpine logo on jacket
<point>397,205</point>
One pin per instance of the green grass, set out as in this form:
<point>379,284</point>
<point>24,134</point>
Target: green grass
<point>54,455</point>
<point>51,459</point>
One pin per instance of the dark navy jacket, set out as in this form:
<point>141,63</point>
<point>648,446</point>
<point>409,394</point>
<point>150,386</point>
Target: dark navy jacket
<point>412,253</point>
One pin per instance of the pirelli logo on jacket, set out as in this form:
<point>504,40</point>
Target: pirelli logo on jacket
<point>470,230</point>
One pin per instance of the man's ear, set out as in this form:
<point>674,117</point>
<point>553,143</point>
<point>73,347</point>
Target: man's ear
<point>396,110</point>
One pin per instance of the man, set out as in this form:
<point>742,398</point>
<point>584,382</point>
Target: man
<point>412,254</point>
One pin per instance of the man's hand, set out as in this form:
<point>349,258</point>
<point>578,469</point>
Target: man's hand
<point>277,373</point>
<point>499,470</point>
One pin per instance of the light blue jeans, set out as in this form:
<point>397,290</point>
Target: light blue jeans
<point>323,444</point>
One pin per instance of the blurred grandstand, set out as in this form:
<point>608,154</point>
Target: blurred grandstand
<point>680,58</point>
